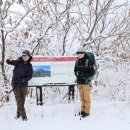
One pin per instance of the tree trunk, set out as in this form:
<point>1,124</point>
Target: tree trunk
<point>3,56</point>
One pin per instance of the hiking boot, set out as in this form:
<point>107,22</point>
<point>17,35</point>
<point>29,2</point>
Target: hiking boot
<point>17,116</point>
<point>24,118</point>
<point>82,112</point>
<point>85,114</point>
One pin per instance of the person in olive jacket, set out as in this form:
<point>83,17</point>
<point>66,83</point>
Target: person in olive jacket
<point>22,73</point>
<point>84,74</point>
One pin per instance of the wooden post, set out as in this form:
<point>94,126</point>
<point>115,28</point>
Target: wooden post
<point>71,92</point>
<point>39,95</point>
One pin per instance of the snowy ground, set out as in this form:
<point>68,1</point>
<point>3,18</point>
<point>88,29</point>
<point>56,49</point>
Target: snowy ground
<point>104,116</point>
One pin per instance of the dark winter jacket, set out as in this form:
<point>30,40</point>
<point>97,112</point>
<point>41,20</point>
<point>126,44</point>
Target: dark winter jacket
<point>83,70</point>
<point>22,72</point>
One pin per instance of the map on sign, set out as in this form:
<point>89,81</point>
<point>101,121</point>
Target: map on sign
<point>53,70</point>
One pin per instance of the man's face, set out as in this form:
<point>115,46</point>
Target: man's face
<point>25,57</point>
<point>80,55</point>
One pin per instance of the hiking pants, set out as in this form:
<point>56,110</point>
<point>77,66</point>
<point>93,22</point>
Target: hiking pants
<point>84,91</point>
<point>20,94</point>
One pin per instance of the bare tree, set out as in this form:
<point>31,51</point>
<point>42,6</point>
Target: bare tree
<point>7,26</point>
<point>103,25</point>
<point>4,7</point>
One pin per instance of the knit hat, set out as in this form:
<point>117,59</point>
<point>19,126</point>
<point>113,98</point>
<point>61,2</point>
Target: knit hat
<point>26,52</point>
<point>81,49</point>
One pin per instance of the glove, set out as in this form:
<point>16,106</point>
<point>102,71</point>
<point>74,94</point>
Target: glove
<point>21,81</point>
<point>82,68</point>
<point>80,75</point>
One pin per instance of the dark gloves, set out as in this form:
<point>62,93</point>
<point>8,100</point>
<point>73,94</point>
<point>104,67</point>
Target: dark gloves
<point>21,81</point>
<point>82,68</point>
<point>86,69</point>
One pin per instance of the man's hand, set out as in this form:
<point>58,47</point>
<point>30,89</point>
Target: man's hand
<point>82,69</point>
<point>11,58</point>
<point>21,81</point>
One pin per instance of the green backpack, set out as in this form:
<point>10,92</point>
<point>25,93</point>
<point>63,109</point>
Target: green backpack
<point>92,63</point>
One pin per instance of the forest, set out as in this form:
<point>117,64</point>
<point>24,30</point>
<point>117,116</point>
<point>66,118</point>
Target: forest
<point>59,27</point>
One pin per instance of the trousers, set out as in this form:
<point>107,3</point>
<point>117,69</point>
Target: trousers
<point>20,94</point>
<point>84,91</point>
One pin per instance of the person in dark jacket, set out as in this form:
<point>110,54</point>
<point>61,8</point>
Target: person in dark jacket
<point>84,76</point>
<point>22,73</point>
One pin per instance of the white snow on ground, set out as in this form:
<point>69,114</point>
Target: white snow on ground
<point>104,116</point>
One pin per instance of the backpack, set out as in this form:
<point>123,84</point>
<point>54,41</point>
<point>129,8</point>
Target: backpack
<point>92,63</point>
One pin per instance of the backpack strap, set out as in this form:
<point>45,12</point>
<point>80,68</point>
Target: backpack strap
<point>92,62</point>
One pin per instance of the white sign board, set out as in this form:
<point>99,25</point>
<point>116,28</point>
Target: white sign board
<point>53,70</point>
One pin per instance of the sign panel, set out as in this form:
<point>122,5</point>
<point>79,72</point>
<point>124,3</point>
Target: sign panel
<point>53,70</point>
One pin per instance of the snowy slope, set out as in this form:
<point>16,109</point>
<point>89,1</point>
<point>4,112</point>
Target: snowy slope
<point>104,116</point>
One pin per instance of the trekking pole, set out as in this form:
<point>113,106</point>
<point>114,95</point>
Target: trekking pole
<point>66,95</point>
<point>3,99</point>
<point>75,109</point>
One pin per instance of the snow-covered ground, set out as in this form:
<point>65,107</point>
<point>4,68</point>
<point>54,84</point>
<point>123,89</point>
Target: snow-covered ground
<point>104,116</point>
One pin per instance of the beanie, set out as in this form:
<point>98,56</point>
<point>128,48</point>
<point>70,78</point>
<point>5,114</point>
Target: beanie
<point>81,49</point>
<point>26,52</point>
